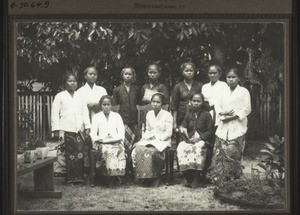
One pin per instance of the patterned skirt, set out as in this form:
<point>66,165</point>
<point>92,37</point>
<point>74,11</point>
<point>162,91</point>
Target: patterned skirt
<point>70,158</point>
<point>129,136</point>
<point>191,156</point>
<point>112,161</point>
<point>230,151</point>
<point>148,162</point>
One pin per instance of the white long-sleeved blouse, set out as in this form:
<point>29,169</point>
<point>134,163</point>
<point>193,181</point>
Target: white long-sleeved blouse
<point>69,113</point>
<point>160,126</point>
<point>213,95</point>
<point>91,95</point>
<point>112,126</point>
<point>239,100</point>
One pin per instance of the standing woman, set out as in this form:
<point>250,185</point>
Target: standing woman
<point>198,132</point>
<point>182,92</point>
<point>213,90</point>
<point>70,118</point>
<point>230,134</point>
<point>148,156</point>
<point>107,133</point>
<point>127,95</point>
<point>90,94</point>
<point>154,86</point>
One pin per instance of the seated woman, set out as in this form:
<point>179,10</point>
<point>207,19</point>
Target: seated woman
<point>107,134</point>
<point>195,151</point>
<point>148,156</point>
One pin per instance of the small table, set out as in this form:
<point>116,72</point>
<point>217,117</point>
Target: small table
<point>43,178</point>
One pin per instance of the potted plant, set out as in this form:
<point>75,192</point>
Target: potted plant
<point>20,154</point>
<point>41,148</point>
<point>31,153</point>
<point>265,186</point>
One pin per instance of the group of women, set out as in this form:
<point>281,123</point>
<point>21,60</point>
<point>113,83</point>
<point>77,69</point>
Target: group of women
<point>211,120</point>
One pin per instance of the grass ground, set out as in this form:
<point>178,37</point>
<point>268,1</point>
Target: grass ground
<point>132,197</point>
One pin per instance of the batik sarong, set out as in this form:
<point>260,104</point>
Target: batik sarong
<point>74,148</point>
<point>230,152</point>
<point>191,156</point>
<point>112,159</point>
<point>148,162</point>
<point>129,136</point>
<point>59,166</point>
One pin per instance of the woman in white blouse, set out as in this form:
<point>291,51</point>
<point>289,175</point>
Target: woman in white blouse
<point>70,119</point>
<point>213,91</point>
<point>108,133</point>
<point>148,156</point>
<point>230,135</point>
<point>90,94</point>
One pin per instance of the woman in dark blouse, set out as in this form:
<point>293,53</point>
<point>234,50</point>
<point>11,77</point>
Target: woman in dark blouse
<point>195,149</point>
<point>154,86</point>
<point>182,92</point>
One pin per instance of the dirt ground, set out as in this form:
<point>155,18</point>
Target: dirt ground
<point>132,197</point>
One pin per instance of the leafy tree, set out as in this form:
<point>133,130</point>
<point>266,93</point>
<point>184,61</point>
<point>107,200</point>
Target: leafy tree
<point>46,49</point>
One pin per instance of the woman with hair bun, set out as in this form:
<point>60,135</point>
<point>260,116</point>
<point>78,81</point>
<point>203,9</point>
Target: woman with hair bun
<point>91,93</point>
<point>182,92</point>
<point>70,121</point>
<point>107,133</point>
<point>195,149</point>
<point>148,156</point>
<point>154,86</point>
<point>230,135</point>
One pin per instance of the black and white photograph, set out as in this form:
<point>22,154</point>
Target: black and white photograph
<point>151,115</point>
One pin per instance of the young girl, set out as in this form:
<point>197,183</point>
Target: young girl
<point>213,91</point>
<point>90,94</point>
<point>182,92</point>
<point>69,119</point>
<point>148,156</point>
<point>107,133</point>
<point>193,152</point>
<point>154,86</point>
<point>230,134</point>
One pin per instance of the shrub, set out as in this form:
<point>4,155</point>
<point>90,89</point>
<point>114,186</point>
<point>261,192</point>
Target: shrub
<point>272,160</point>
<point>225,170</point>
<point>24,133</point>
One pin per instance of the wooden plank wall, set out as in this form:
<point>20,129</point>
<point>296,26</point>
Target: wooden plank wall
<point>40,106</point>
<point>266,118</point>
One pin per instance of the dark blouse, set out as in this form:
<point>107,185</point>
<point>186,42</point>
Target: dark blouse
<point>127,102</point>
<point>159,88</point>
<point>203,124</point>
<point>180,98</point>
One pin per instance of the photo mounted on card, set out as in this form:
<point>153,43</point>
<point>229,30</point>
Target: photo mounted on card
<point>80,74</point>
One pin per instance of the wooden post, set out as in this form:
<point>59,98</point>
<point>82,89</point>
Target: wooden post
<point>34,114</point>
<point>49,113</point>
<point>41,115</point>
<point>44,110</point>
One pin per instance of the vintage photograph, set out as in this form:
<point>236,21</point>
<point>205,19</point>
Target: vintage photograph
<point>151,115</point>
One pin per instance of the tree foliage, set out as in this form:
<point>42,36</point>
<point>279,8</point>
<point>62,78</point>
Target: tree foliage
<point>45,50</point>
